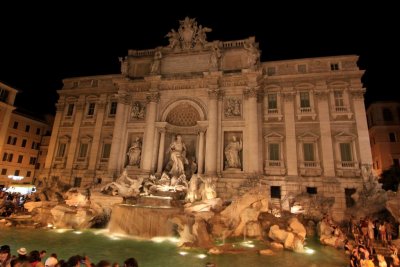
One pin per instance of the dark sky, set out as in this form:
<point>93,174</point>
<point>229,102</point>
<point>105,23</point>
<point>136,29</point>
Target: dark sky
<point>41,45</point>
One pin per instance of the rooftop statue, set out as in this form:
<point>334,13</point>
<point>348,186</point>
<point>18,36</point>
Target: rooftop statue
<point>189,35</point>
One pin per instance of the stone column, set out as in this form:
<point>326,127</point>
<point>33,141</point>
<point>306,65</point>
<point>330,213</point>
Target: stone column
<point>73,145</point>
<point>291,153</point>
<point>161,149</point>
<point>151,114</point>
<point>156,143</point>
<point>96,145</point>
<point>252,129</point>
<point>54,135</point>
<point>212,132</point>
<point>326,133</point>
<point>200,159</point>
<point>120,120</point>
<point>362,127</point>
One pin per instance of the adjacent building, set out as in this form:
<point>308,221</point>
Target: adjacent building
<point>296,126</point>
<point>384,132</point>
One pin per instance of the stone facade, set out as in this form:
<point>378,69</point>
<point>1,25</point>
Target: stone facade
<point>384,133</point>
<point>298,124</point>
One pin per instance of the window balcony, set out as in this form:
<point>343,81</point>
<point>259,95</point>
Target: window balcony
<point>310,168</point>
<point>275,167</point>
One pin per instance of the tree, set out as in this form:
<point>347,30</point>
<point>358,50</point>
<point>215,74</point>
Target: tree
<point>390,178</point>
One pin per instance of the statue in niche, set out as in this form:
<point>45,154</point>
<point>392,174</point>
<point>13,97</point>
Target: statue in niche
<point>215,57</point>
<point>178,156</point>
<point>156,64</point>
<point>253,56</point>
<point>134,152</point>
<point>232,108</point>
<point>138,111</point>
<point>124,65</point>
<point>232,153</point>
<point>173,38</point>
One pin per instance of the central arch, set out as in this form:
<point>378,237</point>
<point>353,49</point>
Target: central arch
<point>183,112</point>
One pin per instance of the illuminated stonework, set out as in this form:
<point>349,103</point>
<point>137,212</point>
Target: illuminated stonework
<point>301,122</point>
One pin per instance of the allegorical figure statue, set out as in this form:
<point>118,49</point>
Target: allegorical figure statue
<point>253,54</point>
<point>135,152</point>
<point>178,156</point>
<point>156,64</point>
<point>173,38</point>
<point>232,153</point>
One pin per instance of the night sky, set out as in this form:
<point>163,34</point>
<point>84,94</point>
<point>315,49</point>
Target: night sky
<point>41,45</point>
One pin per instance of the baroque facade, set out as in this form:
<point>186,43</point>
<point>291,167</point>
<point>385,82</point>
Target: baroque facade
<point>297,125</point>
<point>384,133</point>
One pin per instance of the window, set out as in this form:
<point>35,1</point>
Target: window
<point>308,149</point>
<point>339,100</point>
<point>3,171</point>
<point>37,131</point>
<point>70,109</point>
<point>334,66</point>
<point>77,181</point>
<point>23,144</point>
<point>83,151</point>
<point>10,157</point>
<point>272,101</point>
<point>396,162</point>
<point>9,140</point>
<point>3,95</point>
<point>276,192</point>
<point>274,152</point>
<point>91,107</point>
<point>99,180</point>
<point>113,108</point>
<point>311,190</point>
<point>348,192</point>
<point>387,114</point>
<point>15,125</point>
<point>16,173</point>
<point>304,100</point>
<point>14,141</point>
<point>75,84</point>
<point>302,68</point>
<point>61,150</point>
<point>271,71</point>
<point>27,128</point>
<point>33,145</point>
<point>32,161</point>
<point>37,166</point>
<point>28,174</point>
<point>5,156</point>
<point>345,152</point>
<point>105,153</point>
<point>392,137</point>
<point>20,158</point>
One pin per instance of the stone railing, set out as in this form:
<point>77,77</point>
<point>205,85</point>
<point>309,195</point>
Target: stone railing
<point>274,167</point>
<point>310,164</point>
<point>141,53</point>
<point>305,110</point>
<point>347,165</point>
<point>341,109</point>
<point>274,163</point>
<point>230,44</point>
<point>273,111</point>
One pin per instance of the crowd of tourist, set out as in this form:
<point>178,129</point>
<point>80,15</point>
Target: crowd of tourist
<point>39,259</point>
<point>12,203</point>
<point>368,235</point>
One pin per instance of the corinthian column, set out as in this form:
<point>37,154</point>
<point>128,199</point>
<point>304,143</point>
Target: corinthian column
<point>151,114</point>
<point>252,129</point>
<point>161,151</point>
<point>75,133</point>
<point>212,132</point>
<point>120,119</point>
<point>97,133</point>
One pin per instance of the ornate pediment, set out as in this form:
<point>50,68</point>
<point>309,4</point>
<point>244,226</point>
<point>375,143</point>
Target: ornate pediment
<point>189,35</point>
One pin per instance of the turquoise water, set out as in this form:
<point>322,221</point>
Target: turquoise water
<point>98,246</point>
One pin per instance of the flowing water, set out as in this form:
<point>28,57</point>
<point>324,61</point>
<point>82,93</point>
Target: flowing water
<point>98,245</point>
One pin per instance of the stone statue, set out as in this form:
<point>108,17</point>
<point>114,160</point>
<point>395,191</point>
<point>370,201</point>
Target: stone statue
<point>156,64</point>
<point>124,65</point>
<point>173,38</point>
<point>138,111</point>
<point>232,108</point>
<point>178,156</point>
<point>135,152</point>
<point>215,57</point>
<point>253,54</point>
<point>232,153</point>
<point>201,37</point>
